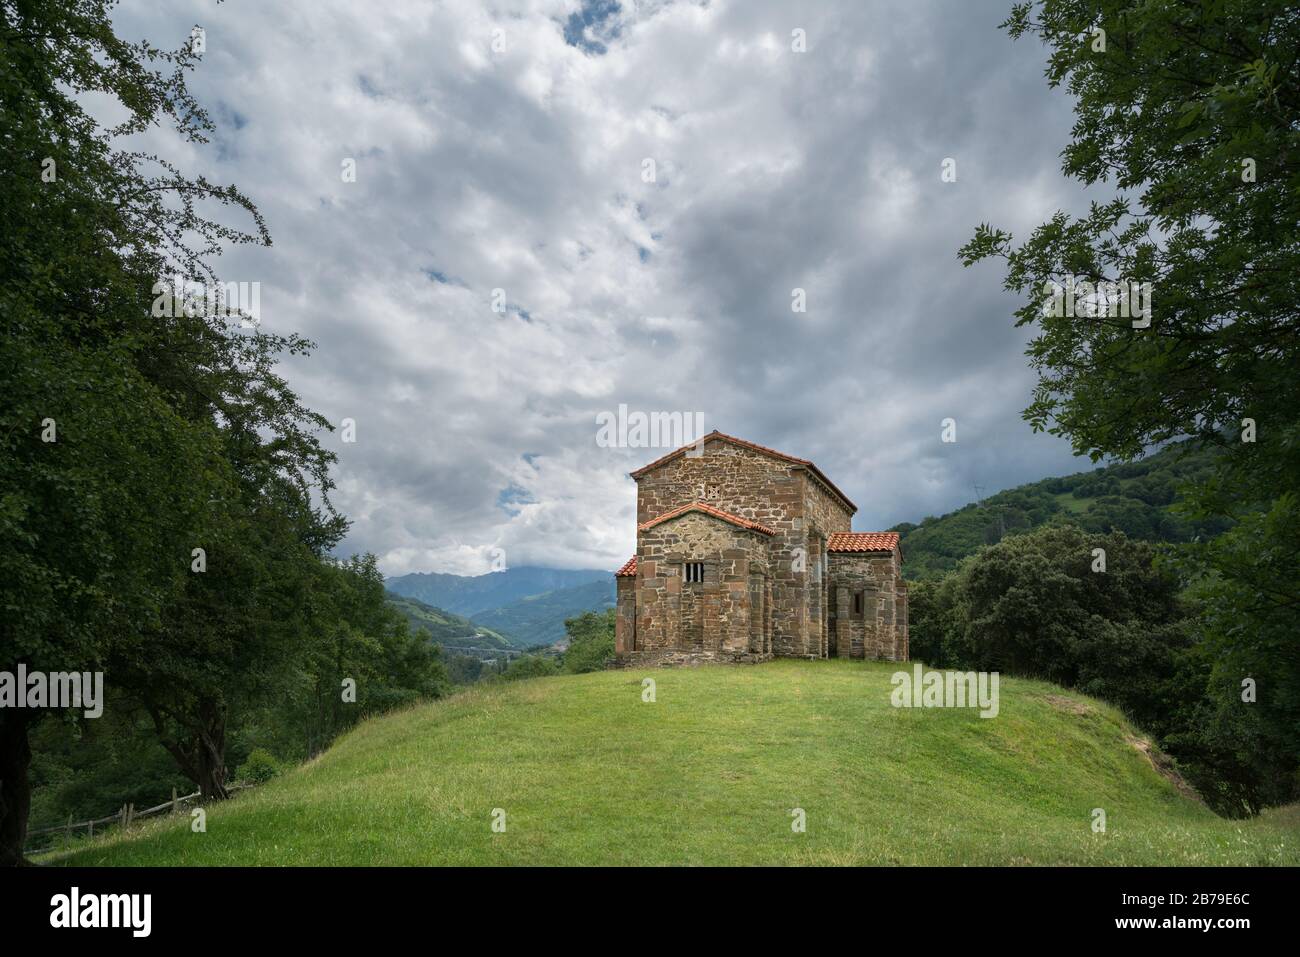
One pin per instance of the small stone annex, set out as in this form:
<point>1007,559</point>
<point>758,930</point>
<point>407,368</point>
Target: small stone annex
<point>744,553</point>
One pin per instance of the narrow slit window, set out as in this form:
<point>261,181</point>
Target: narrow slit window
<point>857,603</point>
<point>694,571</point>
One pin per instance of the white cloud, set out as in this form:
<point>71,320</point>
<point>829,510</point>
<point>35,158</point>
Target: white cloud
<point>522,170</point>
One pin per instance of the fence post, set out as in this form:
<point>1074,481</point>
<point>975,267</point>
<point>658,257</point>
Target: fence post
<point>176,804</point>
<point>92,829</point>
<point>121,817</point>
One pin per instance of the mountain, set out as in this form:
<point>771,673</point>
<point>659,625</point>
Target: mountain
<point>539,619</point>
<point>473,595</point>
<point>1131,497</point>
<point>451,631</point>
<point>740,747</point>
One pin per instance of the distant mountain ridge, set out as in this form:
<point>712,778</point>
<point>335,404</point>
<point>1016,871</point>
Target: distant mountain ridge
<point>539,619</point>
<point>525,605</point>
<point>473,595</point>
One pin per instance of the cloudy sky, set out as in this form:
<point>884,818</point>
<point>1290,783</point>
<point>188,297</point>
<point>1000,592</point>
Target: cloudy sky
<point>504,146</point>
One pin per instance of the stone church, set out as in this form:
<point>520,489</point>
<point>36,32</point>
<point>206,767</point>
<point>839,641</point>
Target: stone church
<point>744,553</point>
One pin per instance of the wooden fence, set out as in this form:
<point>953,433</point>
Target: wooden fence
<point>124,818</point>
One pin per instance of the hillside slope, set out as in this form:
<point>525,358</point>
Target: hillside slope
<point>708,773</point>
<point>1131,497</point>
<point>447,629</point>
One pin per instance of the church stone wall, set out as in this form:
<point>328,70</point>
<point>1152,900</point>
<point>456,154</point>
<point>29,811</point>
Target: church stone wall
<point>625,616</point>
<point>712,618</point>
<point>874,632</point>
<point>754,486</point>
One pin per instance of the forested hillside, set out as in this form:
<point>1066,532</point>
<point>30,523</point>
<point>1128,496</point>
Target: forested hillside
<point>443,627</point>
<point>1135,498</point>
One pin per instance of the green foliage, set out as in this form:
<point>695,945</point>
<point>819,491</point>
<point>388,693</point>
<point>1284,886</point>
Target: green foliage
<point>1191,113</point>
<point>353,634</point>
<point>1168,113</point>
<point>113,440</point>
<point>132,435</point>
<point>464,669</point>
<point>260,767</point>
<point>1032,605</point>
<point>530,666</point>
<point>591,641</point>
<point>84,769</point>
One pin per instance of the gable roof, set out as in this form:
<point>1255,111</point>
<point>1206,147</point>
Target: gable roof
<point>773,453</point>
<point>862,542</point>
<point>628,570</point>
<point>706,509</point>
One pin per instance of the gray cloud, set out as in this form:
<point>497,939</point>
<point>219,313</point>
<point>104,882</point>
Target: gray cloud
<point>520,169</point>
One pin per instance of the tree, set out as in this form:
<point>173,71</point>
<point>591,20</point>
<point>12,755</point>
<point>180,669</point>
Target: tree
<point>1037,605</point>
<point>357,642</point>
<point>129,437</point>
<point>1189,112</point>
<point>591,641</point>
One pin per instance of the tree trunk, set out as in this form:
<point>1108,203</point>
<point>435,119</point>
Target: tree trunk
<point>15,788</point>
<point>200,747</point>
<point>211,751</point>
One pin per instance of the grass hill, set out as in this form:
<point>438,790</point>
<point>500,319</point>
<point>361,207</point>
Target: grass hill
<point>471,595</point>
<point>539,619</point>
<point>588,773</point>
<point>445,628</point>
<point>1131,497</point>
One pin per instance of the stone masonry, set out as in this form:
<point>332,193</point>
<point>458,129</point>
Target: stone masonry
<point>745,553</point>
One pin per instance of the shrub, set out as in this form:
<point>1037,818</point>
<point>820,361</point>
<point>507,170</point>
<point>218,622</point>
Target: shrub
<point>259,768</point>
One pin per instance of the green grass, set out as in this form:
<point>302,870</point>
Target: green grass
<point>708,774</point>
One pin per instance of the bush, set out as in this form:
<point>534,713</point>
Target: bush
<point>530,666</point>
<point>1033,606</point>
<point>260,767</point>
<point>591,641</point>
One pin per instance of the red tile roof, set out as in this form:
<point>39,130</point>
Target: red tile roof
<point>862,542</point>
<point>628,570</point>
<point>707,510</point>
<point>723,437</point>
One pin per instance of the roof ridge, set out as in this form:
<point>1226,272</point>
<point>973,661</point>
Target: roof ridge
<point>744,443</point>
